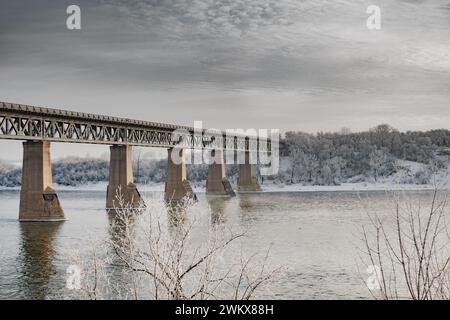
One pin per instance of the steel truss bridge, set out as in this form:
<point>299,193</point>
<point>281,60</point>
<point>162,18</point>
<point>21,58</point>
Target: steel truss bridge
<point>24,122</point>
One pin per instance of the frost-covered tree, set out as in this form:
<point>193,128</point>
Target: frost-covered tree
<point>378,159</point>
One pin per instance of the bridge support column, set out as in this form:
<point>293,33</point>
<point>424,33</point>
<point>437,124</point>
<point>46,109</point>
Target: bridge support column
<point>121,180</point>
<point>247,181</point>
<point>177,186</point>
<point>217,182</point>
<point>38,200</point>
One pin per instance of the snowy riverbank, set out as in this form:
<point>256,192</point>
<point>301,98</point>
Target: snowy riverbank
<point>345,187</point>
<point>403,179</point>
<point>363,186</point>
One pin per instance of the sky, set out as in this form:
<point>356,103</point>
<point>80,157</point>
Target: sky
<point>308,65</point>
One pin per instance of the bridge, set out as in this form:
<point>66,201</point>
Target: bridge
<point>38,127</point>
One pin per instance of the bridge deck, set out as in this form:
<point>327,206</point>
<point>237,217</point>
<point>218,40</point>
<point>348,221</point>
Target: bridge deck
<point>24,122</point>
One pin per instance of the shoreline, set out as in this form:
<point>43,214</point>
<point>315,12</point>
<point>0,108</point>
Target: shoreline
<point>266,188</point>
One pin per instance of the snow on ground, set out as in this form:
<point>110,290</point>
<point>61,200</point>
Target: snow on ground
<point>440,180</point>
<point>101,186</point>
<point>360,186</point>
<point>406,170</point>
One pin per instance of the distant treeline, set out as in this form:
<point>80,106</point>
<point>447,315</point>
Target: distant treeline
<point>78,171</point>
<point>332,158</point>
<point>315,159</point>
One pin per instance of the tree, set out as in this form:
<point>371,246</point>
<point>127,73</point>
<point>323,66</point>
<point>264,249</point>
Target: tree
<point>309,165</point>
<point>138,164</point>
<point>408,252</point>
<point>382,134</point>
<point>378,160</point>
<point>157,252</point>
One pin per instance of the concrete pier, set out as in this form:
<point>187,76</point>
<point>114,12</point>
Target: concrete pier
<point>217,182</point>
<point>38,200</point>
<point>121,180</point>
<point>247,181</point>
<point>177,186</point>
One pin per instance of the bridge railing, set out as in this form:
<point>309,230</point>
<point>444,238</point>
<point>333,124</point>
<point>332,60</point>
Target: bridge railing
<point>23,122</point>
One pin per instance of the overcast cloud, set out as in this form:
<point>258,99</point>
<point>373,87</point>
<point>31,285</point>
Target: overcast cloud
<point>308,65</point>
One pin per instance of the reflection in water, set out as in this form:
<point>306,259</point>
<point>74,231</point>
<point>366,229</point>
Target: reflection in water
<point>217,206</point>
<point>177,210</point>
<point>246,203</point>
<point>136,239</point>
<point>248,206</point>
<point>121,225</point>
<point>36,258</point>
<point>121,234</point>
<point>315,234</point>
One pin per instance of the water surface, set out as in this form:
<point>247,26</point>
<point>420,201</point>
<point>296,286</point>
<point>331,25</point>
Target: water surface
<point>316,235</point>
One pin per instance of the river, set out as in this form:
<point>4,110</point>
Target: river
<point>315,235</point>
